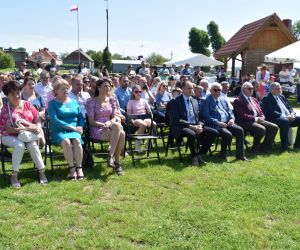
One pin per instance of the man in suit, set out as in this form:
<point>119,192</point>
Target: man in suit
<point>249,116</point>
<point>186,123</point>
<point>218,115</point>
<point>277,110</point>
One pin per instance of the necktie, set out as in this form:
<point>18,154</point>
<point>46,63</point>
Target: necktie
<point>283,108</point>
<point>191,116</point>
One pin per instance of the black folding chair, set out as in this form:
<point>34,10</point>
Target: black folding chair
<point>131,136</point>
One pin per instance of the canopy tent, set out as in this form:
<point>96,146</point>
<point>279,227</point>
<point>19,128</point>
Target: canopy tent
<point>196,60</point>
<point>288,54</point>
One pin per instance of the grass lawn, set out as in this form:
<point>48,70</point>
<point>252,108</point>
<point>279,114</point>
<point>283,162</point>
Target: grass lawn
<point>234,205</point>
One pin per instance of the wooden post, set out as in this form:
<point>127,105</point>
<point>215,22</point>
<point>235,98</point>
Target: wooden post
<point>233,67</point>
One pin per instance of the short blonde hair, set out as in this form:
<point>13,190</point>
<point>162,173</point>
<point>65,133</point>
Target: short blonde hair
<point>58,84</point>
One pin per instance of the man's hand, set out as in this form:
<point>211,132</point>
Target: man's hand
<point>261,119</point>
<point>222,124</point>
<point>230,123</point>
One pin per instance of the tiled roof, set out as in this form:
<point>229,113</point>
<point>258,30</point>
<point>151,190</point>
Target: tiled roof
<point>237,43</point>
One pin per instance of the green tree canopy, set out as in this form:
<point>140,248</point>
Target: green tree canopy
<point>199,41</point>
<point>106,59</point>
<point>63,55</point>
<point>117,56</point>
<point>156,59</point>
<point>216,39</point>
<point>296,29</point>
<point>96,56</point>
<point>6,60</point>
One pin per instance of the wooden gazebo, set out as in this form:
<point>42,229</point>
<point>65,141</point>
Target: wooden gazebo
<point>255,40</point>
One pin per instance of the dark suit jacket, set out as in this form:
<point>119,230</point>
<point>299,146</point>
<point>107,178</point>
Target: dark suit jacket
<point>271,108</point>
<point>244,114</point>
<point>210,112</point>
<point>179,116</point>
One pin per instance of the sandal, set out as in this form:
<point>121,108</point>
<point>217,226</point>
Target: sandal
<point>79,177</point>
<point>118,168</point>
<point>14,180</point>
<point>43,178</point>
<point>110,162</point>
<point>70,176</point>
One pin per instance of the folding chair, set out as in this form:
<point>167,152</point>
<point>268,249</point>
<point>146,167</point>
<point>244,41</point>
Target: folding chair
<point>130,130</point>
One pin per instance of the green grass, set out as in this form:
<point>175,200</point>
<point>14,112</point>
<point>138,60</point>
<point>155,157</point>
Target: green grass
<point>235,205</point>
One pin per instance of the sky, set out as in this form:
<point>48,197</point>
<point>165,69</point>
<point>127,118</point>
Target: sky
<point>135,27</point>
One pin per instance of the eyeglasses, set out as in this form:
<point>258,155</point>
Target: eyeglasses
<point>164,86</point>
<point>250,89</point>
<point>216,90</point>
<point>24,65</point>
<point>137,92</point>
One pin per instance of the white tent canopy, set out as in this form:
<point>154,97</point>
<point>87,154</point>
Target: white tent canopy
<point>196,60</point>
<point>288,54</point>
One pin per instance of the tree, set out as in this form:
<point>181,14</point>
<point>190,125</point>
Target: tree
<point>6,60</point>
<point>216,39</point>
<point>63,55</point>
<point>106,59</point>
<point>296,29</point>
<point>199,41</point>
<point>96,56</point>
<point>156,59</point>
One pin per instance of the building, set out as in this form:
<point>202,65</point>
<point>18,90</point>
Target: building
<point>255,40</point>
<point>79,56</point>
<point>44,56</point>
<point>19,55</point>
<point>121,66</point>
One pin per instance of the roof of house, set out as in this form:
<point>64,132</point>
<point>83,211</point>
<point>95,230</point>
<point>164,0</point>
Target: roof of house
<point>74,55</point>
<point>236,44</point>
<point>43,55</point>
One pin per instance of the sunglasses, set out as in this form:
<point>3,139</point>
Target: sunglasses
<point>216,90</point>
<point>250,89</point>
<point>136,92</point>
<point>164,86</point>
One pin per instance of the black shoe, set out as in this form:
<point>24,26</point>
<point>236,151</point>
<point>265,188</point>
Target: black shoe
<point>79,177</point>
<point>223,157</point>
<point>201,161</point>
<point>243,158</point>
<point>70,177</point>
<point>118,169</point>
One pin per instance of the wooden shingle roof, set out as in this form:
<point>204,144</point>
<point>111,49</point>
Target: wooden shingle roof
<point>238,42</point>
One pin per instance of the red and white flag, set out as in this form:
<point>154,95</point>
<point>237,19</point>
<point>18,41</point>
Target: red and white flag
<point>74,8</point>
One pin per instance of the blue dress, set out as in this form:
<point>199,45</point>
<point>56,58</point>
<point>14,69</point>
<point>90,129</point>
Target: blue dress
<point>62,116</point>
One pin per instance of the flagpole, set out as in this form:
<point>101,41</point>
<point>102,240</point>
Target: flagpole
<point>106,23</point>
<point>78,35</point>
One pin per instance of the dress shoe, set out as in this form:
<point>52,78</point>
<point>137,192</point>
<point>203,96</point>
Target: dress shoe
<point>223,157</point>
<point>201,161</point>
<point>243,158</point>
<point>195,161</point>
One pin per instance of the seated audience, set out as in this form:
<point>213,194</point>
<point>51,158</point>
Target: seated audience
<point>277,110</point>
<point>249,116</point>
<point>28,94</point>
<point>14,113</point>
<point>66,127</point>
<point>104,125</point>
<point>186,123</point>
<point>44,86</point>
<point>139,106</point>
<point>123,93</point>
<point>217,114</point>
<point>78,94</point>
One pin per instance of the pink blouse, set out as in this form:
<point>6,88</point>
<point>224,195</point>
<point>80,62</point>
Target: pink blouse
<point>29,113</point>
<point>140,107</point>
<point>100,114</point>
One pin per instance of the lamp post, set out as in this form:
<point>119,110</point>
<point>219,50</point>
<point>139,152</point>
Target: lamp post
<point>106,23</point>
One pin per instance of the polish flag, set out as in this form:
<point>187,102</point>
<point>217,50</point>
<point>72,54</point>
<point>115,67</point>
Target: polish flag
<point>74,8</point>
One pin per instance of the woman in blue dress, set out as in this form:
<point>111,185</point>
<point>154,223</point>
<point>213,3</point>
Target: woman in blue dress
<point>66,126</point>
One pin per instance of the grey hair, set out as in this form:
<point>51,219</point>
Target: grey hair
<point>215,84</point>
<point>274,85</point>
<point>246,84</point>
